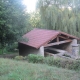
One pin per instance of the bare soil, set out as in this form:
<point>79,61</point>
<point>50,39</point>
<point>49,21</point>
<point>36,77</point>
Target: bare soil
<point>9,55</point>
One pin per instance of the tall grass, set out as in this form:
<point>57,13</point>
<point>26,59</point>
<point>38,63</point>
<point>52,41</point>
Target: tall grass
<point>59,62</point>
<point>22,70</point>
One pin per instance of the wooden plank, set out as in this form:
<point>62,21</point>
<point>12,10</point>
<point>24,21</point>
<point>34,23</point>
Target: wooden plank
<point>64,37</point>
<point>57,43</point>
<point>57,50</point>
<point>50,54</point>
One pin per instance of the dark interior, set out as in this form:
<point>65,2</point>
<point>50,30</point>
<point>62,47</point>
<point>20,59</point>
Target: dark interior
<point>24,50</point>
<point>61,46</point>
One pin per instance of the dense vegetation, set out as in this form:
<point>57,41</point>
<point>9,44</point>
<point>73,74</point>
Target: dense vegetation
<point>61,15</point>
<point>52,61</point>
<point>19,70</point>
<point>13,22</point>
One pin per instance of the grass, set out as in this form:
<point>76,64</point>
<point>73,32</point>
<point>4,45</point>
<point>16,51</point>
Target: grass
<point>4,52</point>
<point>0,51</point>
<point>22,70</point>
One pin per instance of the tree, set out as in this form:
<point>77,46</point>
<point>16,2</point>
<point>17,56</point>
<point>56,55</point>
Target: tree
<point>35,20</point>
<point>13,21</point>
<point>61,15</point>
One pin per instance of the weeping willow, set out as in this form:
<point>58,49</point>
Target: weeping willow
<point>61,15</point>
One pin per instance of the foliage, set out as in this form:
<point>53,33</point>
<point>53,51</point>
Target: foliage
<point>35,19</point>
<point>22,70</point>
<point>23,39</point>
<point>51,61</point>
<point>3,51</point>
<point>35,58</point>
<point>64,63</point>
<point>13,21</point>
<point>20,58</point>
<point>61,15</point>
<point>11,47</point>
<point>58,62</point>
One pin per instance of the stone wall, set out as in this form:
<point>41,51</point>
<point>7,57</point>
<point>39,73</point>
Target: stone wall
<point>73,48</point>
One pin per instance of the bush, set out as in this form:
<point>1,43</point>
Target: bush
<point>64,63</point>
<point>74,65</point>
<point>52,61</point>
<point>35,58</point>
<point>12,47</point>
<point>49,60</point>
<point>58,62</point>
<point>20,58</point>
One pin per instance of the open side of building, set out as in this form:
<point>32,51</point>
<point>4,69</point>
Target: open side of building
<point>49,42</point>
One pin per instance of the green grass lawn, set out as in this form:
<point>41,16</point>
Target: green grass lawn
<point>22,70</point>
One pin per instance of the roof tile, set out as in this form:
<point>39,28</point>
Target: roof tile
<point>39,37</point>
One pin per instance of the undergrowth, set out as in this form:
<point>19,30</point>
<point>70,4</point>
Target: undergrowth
<point>22,70</point>
<point>58,62</point>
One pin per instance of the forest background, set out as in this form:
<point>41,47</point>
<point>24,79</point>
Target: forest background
<point>15,20</point>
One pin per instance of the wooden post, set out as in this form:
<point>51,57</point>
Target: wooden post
<point>57,39</point>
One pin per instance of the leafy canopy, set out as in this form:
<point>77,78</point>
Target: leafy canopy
<point>13,21</point>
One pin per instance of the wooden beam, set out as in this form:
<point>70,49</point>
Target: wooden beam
<point>57,50</point>
<point>57,43</point>
<point>50,54</point>
<point>64,37</point>
<point>57,39</point>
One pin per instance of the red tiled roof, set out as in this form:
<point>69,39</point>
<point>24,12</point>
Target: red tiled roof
<point>39,37</point>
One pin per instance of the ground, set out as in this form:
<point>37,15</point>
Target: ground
<point>9,55</point>
<point>22,70</point>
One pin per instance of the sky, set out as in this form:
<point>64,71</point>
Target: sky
<point>31,5</point>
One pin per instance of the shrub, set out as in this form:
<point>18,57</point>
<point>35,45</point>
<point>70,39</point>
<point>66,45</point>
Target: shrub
<point>74,65</point>
<point>11,47</point>
<point>35,58</point>
<point>19,58</point>
<point>49,60</point>
<point>70,64</point>
<point>64,63</point>
<point>58,62</point>
<point>52,61</point>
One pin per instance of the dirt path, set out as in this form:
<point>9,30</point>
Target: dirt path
<point>9,55</point>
